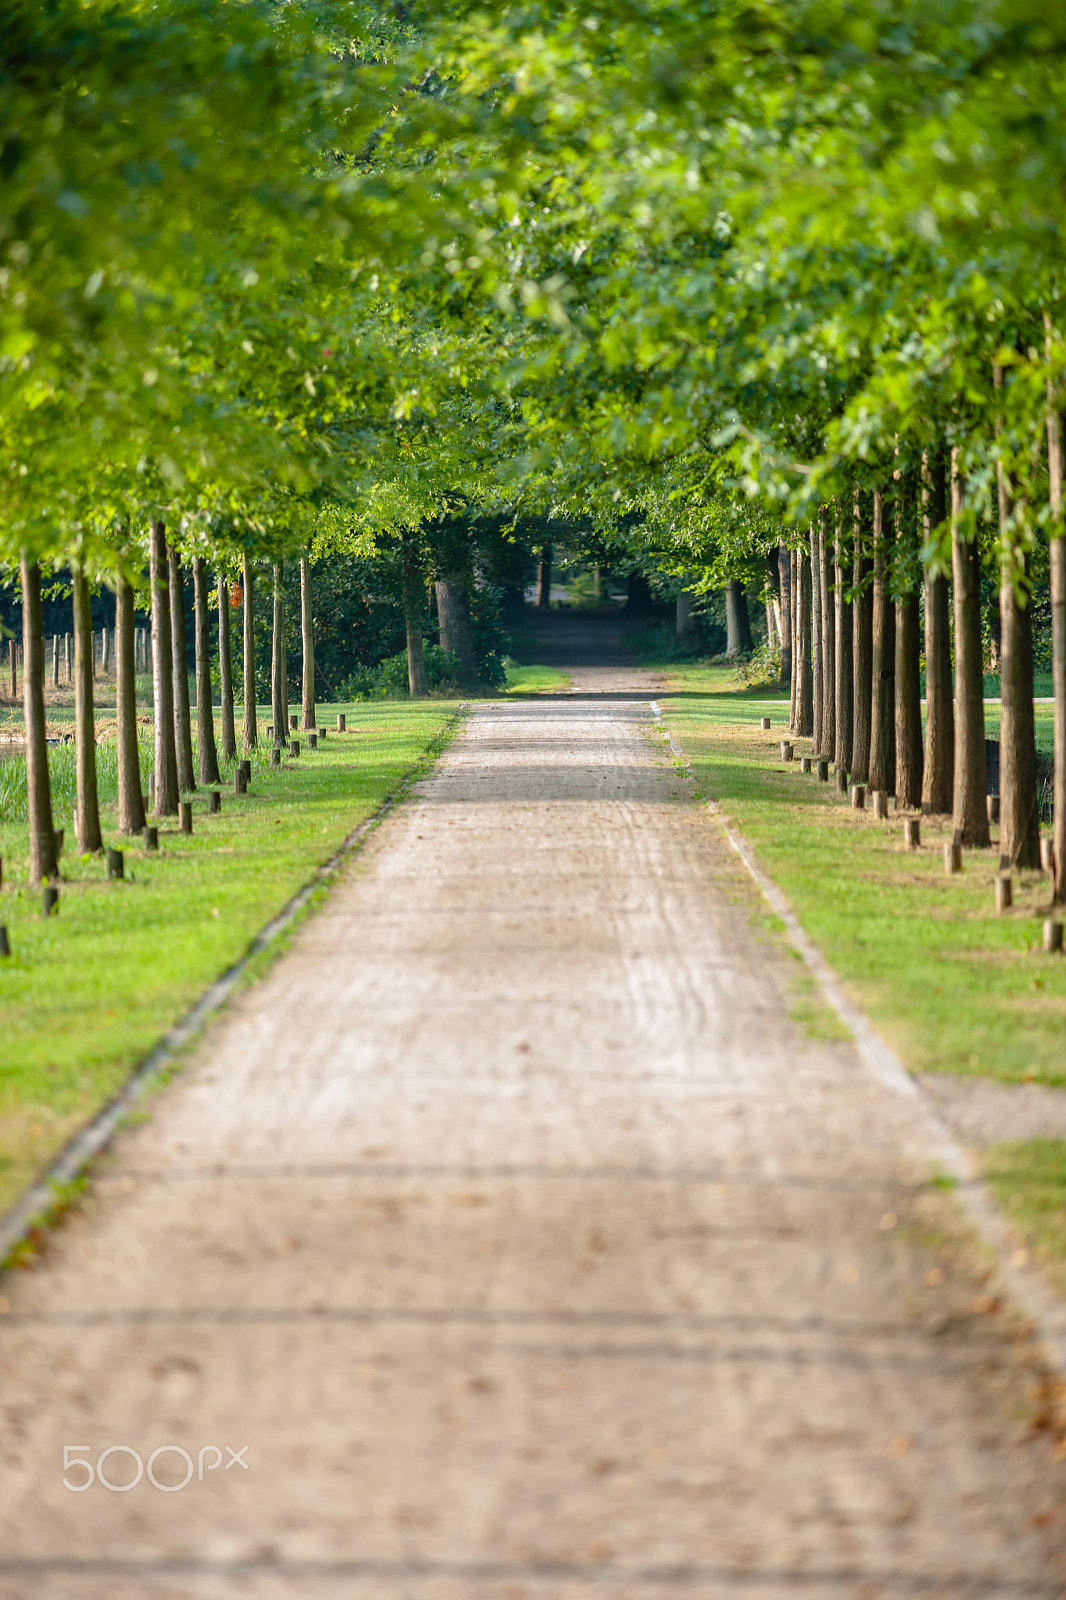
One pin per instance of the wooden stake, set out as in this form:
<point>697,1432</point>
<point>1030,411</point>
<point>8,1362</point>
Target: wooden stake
<point>912,833</point>
<point>275,755</point>
<point>5,948</point>
<point>151,837</point>
<point>992,807</point>
<point>765,724</point>
<point>240,782</point>
<point>842,780</point>
<point>952,856</point>
<point>1004,892</point>
<point>294,722</point>
<point>246,768</point>
<point>185,815</point>
<point>880,800</point>
<point>1047,855</point>
<point>823,771</point>
<point>858,796</point>
<point>214,802</point>
<point>342,722</point>
<point>805,763</point>
<point>49,900</point>
<point>786,748</point>
<point>1052,936</point>
<point>294,747</point>
<point>115,864</point>
<point>312,741</point>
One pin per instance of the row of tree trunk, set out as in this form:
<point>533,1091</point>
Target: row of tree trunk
<point>853,662</point>
<point>174,770</point>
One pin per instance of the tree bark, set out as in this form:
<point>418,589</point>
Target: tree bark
<point>825,580</point>
<point>251,728</point>
<point>882,713</point>
<point>87,808</point>
<point>206,750</point>
<point>794,593</point>
<point>939,762</point>
<point>862,654</point>
<point>411,546</point>
<point>969,811</point>
<point>43,862</point>
<point>130,795</point>
<point>805,691</point>
<point>784,579</point>
<point>225,672</point>
<point>843,663</point>
<point>1019,819</point>
<point>453,609</point>
<point>180,657</point>
<point>166,760</point>
<point>816,634</point>
<point>307,639</point>
<point>544,578</point>
<point>737,620</point>
<point>278,661</point>
<point>1057,554</point>
<point>909,758</point>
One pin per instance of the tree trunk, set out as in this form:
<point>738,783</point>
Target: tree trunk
<point>130,795</point>
<point>784,580</point>
<point>882,712</point>
<point>794,594</point>
<point>251,728</point>
<point>737,620</point>
<point>180,657</point>
<point>909,760</point>
<point>87,807</point>
<point>843,664</point>
<point>969,811</point>
<point>544,578</point>
<point>166,760</point>
<point>278,662</point>
<point>816,635</point>
<point>805,691</point>
<point>1057,554</point>
<point>1019,818</point>
<point>453,609</point>
<point>825,577</point>
<point>43,862</point>
<point>862,654</point>
<point>417,682</point>
<point>307,639</point>
<point>939,762</point>
<point>225,673</point>
<point>207,753</point>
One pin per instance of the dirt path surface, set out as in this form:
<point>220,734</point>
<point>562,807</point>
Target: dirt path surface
<point>529,1247</point>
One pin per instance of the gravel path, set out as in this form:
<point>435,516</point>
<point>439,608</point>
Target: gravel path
<point>530,1248</point>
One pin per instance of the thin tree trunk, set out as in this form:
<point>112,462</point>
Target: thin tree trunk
<point>882,714</point>
<point>816,635</point>
<point>206,751</point>
<point>794,591</point>
<point>251,729</point>
<point>69,641</point>
<point>737,620</point>
<point>843,663</point>
<point>55,661</point>
<point>87,807</point>
<point>166,760</point>
<point>825,578</point>
<point>417,682</point>
<point>862,654</point>
<point>43,862</point>
<point>180,666</point>
<point>544,578</point>
<point>225,672</point>
<point>784,579</point>
<point>130,795</point>
<point>805,693</point>
<point>13,662</point>
<point>909,758</point>
<point>1019,819</point>
<point>969,812</point>
<point>939,762</point>
<point>307,636</point>
<point>278,664</point>
<point>455,636</point>
<point>1057,554</point>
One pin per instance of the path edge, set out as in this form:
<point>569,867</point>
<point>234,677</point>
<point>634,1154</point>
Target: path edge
<point>42,1205</point>
<point>1025,1286</point>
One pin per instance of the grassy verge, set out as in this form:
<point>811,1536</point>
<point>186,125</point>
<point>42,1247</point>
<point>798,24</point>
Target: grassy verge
<point>534,680</point>
<point>87,993</point>
<point>954,987</point>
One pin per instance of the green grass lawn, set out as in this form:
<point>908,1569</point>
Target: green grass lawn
<point>86,994</point>
<point>534,680</point>
<point>954,987</point>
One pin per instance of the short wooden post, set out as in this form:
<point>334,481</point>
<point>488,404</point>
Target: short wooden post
<point>246,768</point>
<point>214,802</point>
<point>786,750</point>
<point>50,900</point>
<point>312,741</point>
<point>5,947</point>
<point>240,782</point>
<point>952,856</point>
<point>116,866</point>
<point>764,724</point>
<point>321,734</point>
<point>805,764</point>
<point>822,770</point>
<point>842,780</point>
<point>880,800</point>
<point>294,722</point>
<point>912,832</point>
<point>270,732</point>
<point>342,722</point>
<point>1052,936</point>
<point>858,796</point>
<point>992,806</point>
<point>1047,855</point>
<point>294,747</point>
<point>1004,891</point>
<point>275,755</point>
<point>151,837</point>
<point>185,815</point>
